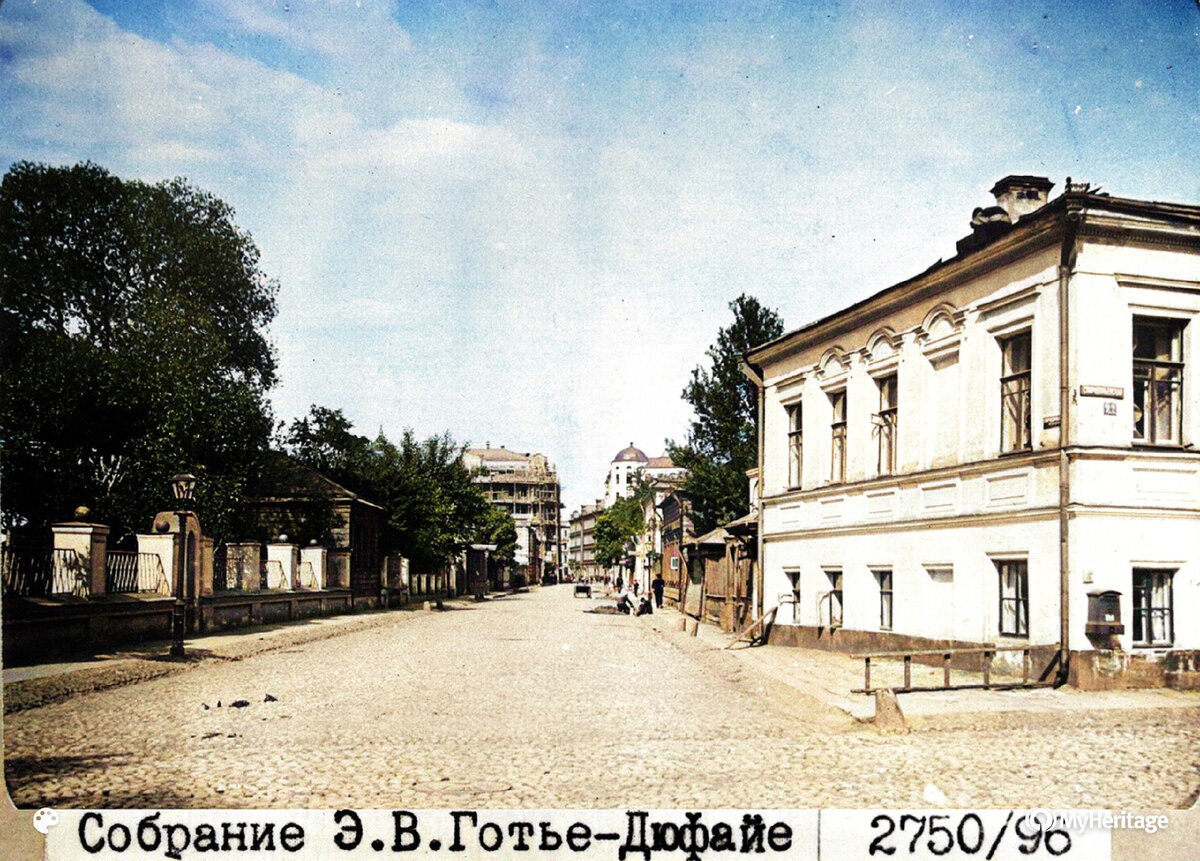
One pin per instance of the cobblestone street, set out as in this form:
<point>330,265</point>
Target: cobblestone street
<point>530,701</point>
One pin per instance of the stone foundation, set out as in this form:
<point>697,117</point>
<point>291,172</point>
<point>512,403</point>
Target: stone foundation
<point>858,642</point>
<point>1113,669</point>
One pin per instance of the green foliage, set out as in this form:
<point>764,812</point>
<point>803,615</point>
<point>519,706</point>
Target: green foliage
<point>132,320</point>
<point>433,508</point>
<point>721,443</point>
<point>616,527</point>
<point>498,527</point>
<point>323,441</point>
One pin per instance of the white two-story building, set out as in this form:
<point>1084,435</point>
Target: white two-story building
<point>1000,450</point>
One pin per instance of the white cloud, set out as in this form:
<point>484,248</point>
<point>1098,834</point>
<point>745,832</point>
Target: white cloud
<point>523,224</point>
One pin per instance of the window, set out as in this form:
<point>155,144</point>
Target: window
<point>885,425</point>
<point>1153,621</point>
<point>1157,380</point>
<point>1014,598</point>
<point>884,577</point>
<point>795,445</point>
<point>1014,393</point>
<point>793,574</point>
<point>838,467</point>
<point>833,598</point>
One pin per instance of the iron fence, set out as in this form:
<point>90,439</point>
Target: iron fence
<point>127,571</point>
<point>220,569</point>
<point>39,572</point>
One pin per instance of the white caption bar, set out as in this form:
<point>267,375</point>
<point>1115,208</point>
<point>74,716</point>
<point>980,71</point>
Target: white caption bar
<point>612,835</point>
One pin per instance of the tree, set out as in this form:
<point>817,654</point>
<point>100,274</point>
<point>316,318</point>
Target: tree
<point>619,524</point>
<point>323,440</point>
<point>497,527</point>
<point>432,507</point>
<point>722,441</point>
<point>132,322</point>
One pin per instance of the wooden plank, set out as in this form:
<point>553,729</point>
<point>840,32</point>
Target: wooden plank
<point>760,622</point>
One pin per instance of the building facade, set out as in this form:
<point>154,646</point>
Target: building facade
<point>286,496</point>
<point>631,465</point>
<point>999,450</point>
<point>526,486</point>
<point>582,559</point>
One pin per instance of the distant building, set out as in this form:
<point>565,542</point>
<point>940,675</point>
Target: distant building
<point>629,467</point>
<point>526,486</point>
<point>676,530</point>
<point>582,557</point>
<point>289,492</point>
<point>1000,450</point>
<point>632,463</point>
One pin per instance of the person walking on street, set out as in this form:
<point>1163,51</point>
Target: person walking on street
<point>657,585</point>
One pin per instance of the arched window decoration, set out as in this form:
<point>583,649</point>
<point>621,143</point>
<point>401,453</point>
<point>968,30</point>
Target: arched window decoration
<point>941,333</point>
<point>833,364</point>
<point>883,345</point>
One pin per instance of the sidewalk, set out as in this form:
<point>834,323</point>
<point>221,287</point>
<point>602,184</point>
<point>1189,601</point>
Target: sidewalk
<point>35,685</point>
<point>828,677</point>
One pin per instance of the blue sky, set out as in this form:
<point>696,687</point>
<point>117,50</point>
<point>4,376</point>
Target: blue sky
<point>523,221</point>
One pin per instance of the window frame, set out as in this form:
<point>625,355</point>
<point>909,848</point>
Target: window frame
<point>1157,373</point>
<point>1016,387</point>
<point>793,575</point>
<point>887,424</point>
<point>795,445</point>
<point>885,577</point>
<point>837,427</point>
<point>836,581</point>
<point>1144,612</point>
<point>1017,597</point>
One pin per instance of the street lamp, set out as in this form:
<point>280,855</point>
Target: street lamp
<point>183,487</point>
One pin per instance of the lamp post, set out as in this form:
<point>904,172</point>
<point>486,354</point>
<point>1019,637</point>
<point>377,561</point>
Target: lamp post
<point>183,487</point>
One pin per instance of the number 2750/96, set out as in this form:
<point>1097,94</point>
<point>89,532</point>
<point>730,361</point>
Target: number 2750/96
<point>942,835</point>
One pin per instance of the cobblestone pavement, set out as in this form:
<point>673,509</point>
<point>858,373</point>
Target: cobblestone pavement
<point>532,702</point>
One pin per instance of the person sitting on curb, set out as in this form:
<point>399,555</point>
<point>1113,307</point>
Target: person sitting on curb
<point>625,602</point>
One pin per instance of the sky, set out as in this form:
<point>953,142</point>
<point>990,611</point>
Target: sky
<point>523,222</point>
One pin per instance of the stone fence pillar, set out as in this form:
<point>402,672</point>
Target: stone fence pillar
<point>243,566</point>
<point>204,572</point>
<point>162,546</point>
<point>288,557</point>
<point>165,543</point>
<point>90,543</point>
<point>314,558</point>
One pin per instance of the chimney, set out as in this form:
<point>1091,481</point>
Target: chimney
<point>1021,195</point>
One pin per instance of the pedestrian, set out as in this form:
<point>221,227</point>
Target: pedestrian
<point>644,608</point>
<point>658,584</point>
<point>635,586</point>
<point>620,582</point>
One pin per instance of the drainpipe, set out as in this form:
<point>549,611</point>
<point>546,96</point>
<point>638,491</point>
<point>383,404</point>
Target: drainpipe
<point>1065,268</point>
<point>754,374</point>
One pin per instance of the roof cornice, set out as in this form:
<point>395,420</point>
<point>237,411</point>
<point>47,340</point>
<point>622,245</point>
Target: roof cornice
<point>1099,216</point>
